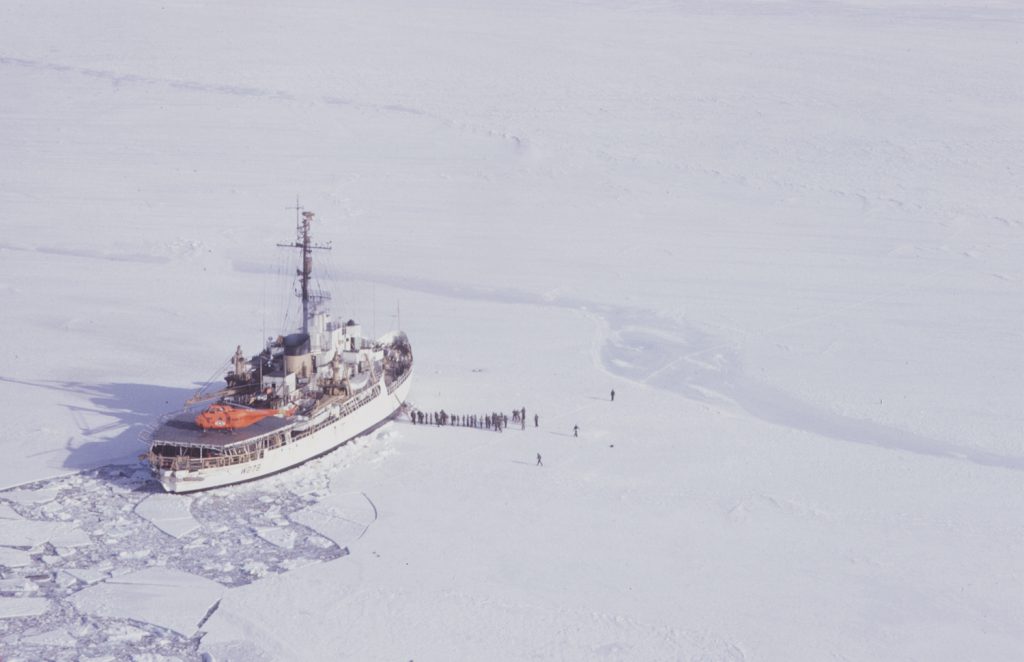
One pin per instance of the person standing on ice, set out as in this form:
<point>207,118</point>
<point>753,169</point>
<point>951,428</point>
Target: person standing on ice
<point>613,395</point>
<point>575,430</point>
<point>536,421</point>
<point>539,463</point>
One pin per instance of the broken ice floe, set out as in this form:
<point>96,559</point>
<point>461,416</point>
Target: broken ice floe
<point>14,558</point>
<point>91,564</point>
<point>31,533</point>
<point>284,538</point>
<point>343,518</point>
<point>58,637</point>
<point>169,598</point>
<point>88,575</point>
<point>30,496</point>
<point>169,512</point>
<point>15,607</point>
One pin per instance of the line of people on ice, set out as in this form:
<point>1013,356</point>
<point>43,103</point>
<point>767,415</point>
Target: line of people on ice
<point>494,421</point>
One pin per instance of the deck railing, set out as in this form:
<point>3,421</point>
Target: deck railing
<point>253,452</point>
<point>393,386</point>
<point>250,453</point>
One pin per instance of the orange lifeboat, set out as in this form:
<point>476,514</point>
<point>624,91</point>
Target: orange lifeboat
<point>226,417</point>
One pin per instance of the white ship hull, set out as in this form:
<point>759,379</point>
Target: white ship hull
<point>366,418</point>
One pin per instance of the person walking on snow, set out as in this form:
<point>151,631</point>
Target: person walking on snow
<point>539,463</point>
<point>536,421</point>
<point>575,430</point>
<point>613,395</point>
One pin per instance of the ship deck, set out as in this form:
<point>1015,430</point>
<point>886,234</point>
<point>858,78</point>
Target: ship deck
<point>181,430</point>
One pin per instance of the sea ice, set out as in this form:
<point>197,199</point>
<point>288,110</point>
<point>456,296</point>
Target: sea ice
<point>17,607</point>
<point>17,585</point>
<point>788,234</point>
<point>171,513</point>
<point>27,496</point>
<point>89,575</point>
<point>283,538</point>
<point>14,558</point>
<point>30,533</point>
<point>342,518</point>
<point>57,637</point>
<point>169,598</point>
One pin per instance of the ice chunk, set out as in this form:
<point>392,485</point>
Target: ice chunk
<point>58,637</point>
<point>255,568</point>
<point>14,558</point>
<point>29,533</point>
<point>284,538</point>
<point>87,575</point>
<point>25,496</point>
<point>18,585</point>
<point>163,596</point>
<point>171,513</point>
<point>69,535</point>
<point>64,580</point>
<point>127,633</point>
<point>343,518</point>
<point>16,607</point>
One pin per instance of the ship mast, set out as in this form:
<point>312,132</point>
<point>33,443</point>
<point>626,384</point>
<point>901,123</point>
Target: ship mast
<point>305,244</point>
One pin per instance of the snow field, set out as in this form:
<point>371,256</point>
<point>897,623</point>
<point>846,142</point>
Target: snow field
<point>788,234</point>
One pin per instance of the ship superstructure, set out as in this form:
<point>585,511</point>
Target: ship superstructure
<point>304,395</point>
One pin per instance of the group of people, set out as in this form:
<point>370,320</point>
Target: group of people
<point>494,421</point>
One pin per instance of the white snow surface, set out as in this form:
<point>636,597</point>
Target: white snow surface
<point>789,234</point>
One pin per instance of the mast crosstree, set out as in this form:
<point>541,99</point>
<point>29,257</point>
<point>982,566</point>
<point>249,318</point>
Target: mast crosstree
<point>304,242</point>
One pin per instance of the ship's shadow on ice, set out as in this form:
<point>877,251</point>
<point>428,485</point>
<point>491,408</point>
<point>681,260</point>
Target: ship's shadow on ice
<point>112,419</point>
<point>134,410</point>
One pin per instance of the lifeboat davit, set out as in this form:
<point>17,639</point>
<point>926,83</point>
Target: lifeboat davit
<point>226,417</point>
